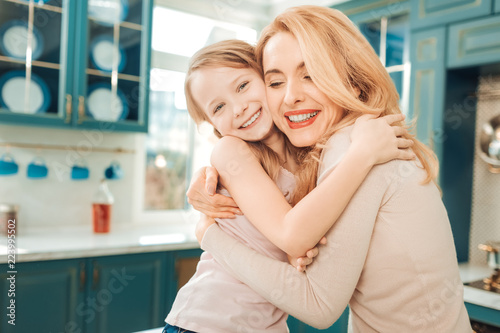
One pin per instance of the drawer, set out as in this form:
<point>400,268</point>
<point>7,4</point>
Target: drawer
<point>474,43</point>
<point>426,13</point>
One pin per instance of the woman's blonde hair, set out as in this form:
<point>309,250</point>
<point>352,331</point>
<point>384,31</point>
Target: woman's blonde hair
<point>345,68</point>
<point>234,54</point>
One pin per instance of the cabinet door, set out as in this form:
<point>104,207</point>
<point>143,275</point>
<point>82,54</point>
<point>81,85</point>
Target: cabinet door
<point>428,86</point>
<point>426,13</point>
<point>474,43</point>
<point>35,62</point>
<point>125,293</point>
<point>46,296</point>
<point>182,266</point>
<point>112,81</point>
<point>497,6</point>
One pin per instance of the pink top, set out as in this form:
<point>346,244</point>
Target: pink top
<point>213,301</point>
<point>390,256</point>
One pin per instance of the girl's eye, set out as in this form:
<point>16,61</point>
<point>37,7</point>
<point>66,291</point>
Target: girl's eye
<point>242,86</point>
<point>218,108</point>
<point>307,77</point>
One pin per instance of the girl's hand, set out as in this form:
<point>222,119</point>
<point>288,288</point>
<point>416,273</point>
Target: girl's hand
<point>380,139</point>
<point>201,194</point>
<point>201,227</point>
<point>301,263</point>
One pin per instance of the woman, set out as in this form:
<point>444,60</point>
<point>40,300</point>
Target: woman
<point>224,87</point>
<point>390,256</point>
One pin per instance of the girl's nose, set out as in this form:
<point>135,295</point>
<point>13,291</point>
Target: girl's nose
<point>239,109</point>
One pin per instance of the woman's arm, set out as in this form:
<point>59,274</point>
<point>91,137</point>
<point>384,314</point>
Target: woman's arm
<point>296,230</point>
<point>319,296</point>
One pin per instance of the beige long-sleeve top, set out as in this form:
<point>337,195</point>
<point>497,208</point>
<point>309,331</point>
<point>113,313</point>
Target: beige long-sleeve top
<point>390,256</point>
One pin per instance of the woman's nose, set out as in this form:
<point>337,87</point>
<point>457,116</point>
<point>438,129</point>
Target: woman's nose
<point>294,93</point>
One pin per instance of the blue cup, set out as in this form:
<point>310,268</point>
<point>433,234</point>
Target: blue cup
<point>114,171</point>
<point>8,165</point>
<point>80,171</point>
<point>37,169</point>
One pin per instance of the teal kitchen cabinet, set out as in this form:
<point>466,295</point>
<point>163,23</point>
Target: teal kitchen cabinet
<point>73,64</point>
<point>483,314</point>
<point>46,295</point>
<point>340,326</point>
<point>427,13</point>
<point>474,43</point>
<point>126,293</point>
<point>497,6</point>
<point>121,293</point>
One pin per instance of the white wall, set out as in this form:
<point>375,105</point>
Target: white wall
<point>58,200</point>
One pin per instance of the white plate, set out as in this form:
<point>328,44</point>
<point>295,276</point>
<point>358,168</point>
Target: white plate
<point>102,105</point>
<point>14,40</point>
<point>108,12</point>
<point>13,90</point>
<point>102,54</point>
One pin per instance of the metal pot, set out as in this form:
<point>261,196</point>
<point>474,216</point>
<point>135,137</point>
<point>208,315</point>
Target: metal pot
<point>489,142</point>
<point>493,252</point>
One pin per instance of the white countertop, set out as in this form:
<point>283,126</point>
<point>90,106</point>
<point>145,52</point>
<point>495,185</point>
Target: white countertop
<point>470,273</point>
<point>77,242</point>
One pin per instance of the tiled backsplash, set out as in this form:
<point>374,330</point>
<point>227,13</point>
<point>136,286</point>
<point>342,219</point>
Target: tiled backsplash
<point>58,200</point>
<point>485,219</point>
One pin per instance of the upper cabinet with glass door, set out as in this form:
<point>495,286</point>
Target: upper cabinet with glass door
<point>93,59</point>
<point>34,72</point>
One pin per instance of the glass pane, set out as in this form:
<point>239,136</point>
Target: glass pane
<point>397,31</point>
<point>371,31</point>
<point>30,56</point>
<point>397,78</point>
<point>167,144</point>
<point>114,60</point>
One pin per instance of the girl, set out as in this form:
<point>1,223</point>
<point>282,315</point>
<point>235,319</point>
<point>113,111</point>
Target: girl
<point>224,87</point>
<point>391,255</point>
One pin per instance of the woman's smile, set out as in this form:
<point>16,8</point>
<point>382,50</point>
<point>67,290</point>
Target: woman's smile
<point>301,118</point>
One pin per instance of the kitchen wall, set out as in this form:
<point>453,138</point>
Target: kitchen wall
<point>485,219</point>
<point>58,200</point>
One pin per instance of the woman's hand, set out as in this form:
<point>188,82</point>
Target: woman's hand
<point>201,227</point>
<point>380,139</point>
<point>301,263</point>
<point>201,194</point>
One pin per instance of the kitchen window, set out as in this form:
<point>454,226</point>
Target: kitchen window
<point>174,145</point>
<point>389,37</point>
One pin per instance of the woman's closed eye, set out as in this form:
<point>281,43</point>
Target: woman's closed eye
<point>274,84</point>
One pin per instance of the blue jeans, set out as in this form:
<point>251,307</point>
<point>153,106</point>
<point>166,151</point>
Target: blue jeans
<point>174,329</point>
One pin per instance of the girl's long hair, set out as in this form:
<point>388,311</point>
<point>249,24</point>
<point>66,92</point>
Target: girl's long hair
<point>234,54</point>
<point>345,68</point>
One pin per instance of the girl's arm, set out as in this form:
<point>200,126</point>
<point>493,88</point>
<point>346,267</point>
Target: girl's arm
<point>320,296</point>
<point>296,230</point>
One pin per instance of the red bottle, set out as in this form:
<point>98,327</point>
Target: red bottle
<point>102,206</point>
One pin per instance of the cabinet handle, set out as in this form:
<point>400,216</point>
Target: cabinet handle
<point>95,276</point>
<point>83,276</point>
<point>69,108</point>
<point>81,109</point>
